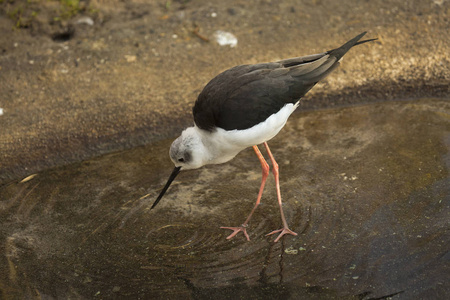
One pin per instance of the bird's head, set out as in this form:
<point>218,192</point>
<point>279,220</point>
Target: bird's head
<point>186,152</point>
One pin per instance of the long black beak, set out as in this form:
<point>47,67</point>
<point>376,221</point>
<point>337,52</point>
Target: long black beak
<point>164,190</point>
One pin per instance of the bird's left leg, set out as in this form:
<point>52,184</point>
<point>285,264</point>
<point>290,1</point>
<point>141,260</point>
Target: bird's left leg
<point>285,229</point>
<point>265,173</point>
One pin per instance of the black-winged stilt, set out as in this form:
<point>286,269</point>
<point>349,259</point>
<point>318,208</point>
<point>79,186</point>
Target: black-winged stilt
<point>245,106</point>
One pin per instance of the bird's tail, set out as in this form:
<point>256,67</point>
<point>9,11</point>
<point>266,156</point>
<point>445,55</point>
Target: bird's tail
<point>323,64</point>
<point>340,52</point>
<point>308,70</point>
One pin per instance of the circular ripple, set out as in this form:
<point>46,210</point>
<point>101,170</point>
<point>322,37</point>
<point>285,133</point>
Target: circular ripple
<point>174,236</point>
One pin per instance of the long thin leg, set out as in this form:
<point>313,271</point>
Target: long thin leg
<point>265,173</point>
<point>285,229</point>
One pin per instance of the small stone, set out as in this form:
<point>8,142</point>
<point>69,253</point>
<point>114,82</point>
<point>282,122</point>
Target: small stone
<point>231,11</point>
<point>155,53</point>
<point>130,58</point>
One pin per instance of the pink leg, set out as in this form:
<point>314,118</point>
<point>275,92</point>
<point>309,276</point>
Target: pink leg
<point>285,229</point>
<point>265,173</point>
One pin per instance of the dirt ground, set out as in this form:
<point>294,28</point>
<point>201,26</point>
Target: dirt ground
<point>121,74</point>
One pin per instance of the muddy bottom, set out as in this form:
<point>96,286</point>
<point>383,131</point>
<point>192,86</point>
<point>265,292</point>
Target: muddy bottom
<point>366,188</point>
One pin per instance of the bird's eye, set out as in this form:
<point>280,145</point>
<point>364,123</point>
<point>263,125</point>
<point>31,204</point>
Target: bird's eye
<point>181,159</point>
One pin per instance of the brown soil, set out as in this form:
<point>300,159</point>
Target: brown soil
<point>70,90</point>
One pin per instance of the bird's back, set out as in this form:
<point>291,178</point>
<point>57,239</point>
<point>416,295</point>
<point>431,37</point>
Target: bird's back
<point>247,95</point>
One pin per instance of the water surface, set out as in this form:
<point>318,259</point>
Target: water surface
<point>366,188</point>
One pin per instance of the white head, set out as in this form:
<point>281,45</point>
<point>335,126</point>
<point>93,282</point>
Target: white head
<point>187,152</point>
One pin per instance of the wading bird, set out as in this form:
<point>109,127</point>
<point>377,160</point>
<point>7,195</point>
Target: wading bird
<point>245,106</point>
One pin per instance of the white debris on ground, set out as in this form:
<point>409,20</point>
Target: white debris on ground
<point>225,38</point>
<point>85,20</point>
<point>291,251</point>
<point>1,111</point>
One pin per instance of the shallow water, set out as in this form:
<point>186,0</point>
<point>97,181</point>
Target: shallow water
<point>366,188</point>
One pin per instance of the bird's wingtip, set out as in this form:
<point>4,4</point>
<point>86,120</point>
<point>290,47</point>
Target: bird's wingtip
<point>362,34</point>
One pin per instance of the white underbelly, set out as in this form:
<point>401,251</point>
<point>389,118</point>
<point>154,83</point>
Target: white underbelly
<point>261,132</point>
<point>228,143</point>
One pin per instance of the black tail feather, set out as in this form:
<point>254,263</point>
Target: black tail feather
<point>339,52</point>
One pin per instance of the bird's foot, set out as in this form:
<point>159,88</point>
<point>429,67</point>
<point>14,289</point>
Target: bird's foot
<point>283,231</point>
<point>236,230</point>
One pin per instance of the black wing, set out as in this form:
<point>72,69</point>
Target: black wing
<point>246,95</point>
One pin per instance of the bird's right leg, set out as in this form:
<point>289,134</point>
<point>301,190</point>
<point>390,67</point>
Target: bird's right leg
<point>265,173</point>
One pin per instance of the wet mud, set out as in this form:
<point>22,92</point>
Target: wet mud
<point>366,188</point>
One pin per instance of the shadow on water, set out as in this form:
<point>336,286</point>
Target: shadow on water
<point>367,188</point>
